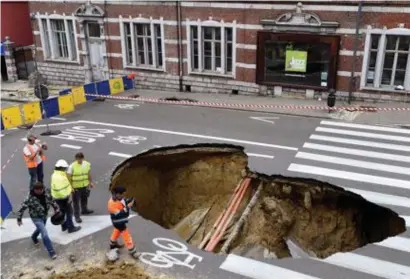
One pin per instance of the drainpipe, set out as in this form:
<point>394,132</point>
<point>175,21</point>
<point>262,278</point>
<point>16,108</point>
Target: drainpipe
<point>179,35</point>
<point>356,44</point>
<point>107,42</point>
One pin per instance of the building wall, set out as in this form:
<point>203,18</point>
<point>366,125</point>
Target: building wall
<point>246,19</point>
<point>15,22</point>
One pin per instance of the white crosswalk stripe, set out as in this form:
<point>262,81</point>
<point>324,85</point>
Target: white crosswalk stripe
<point>371,161</point>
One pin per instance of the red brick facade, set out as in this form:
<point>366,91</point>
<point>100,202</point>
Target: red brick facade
<point>246,16</point>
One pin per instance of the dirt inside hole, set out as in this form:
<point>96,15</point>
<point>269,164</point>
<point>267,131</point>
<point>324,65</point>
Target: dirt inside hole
<point>109,271</point>
<point>185,188</point>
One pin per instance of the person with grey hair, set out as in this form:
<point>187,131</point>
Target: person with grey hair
<point>33,153</point>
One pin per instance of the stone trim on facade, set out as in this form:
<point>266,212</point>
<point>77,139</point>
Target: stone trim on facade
<point>247,19</point>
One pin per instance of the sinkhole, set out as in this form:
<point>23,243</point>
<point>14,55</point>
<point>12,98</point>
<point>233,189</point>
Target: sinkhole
<point>186,187</point>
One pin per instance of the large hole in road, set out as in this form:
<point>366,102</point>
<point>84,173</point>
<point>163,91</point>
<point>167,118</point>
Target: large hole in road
<point>185,188</point>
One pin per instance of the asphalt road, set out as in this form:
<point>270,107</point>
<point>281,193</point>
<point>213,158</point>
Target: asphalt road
<point>371,160</point>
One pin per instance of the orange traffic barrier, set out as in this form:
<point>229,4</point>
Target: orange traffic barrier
<point>233,207</point>
<point>215,225</point>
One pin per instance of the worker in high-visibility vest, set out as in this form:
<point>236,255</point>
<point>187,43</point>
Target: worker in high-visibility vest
<point>33,153</point>
<point>79,173</point>
<point>61,190</point>
<point>119,209</point>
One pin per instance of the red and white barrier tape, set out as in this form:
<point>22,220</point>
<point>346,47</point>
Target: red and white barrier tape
<point>227,105</point>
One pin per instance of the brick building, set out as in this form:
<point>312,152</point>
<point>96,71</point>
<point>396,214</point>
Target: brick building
<point>240,47</point>
<point>16,41</point>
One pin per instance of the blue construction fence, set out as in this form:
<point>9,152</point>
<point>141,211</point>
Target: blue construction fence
<point>66,102</point>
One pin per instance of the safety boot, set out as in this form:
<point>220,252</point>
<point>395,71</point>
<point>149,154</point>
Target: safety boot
<point>115,244</point>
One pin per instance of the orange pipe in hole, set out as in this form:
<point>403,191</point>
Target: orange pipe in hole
<point>215,225</point>
<point>228,216</point>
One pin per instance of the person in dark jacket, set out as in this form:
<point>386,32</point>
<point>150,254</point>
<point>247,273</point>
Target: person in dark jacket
<point>38,203</point>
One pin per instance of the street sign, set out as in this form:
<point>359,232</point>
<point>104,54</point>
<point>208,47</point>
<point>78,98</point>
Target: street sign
<point>41,92</point>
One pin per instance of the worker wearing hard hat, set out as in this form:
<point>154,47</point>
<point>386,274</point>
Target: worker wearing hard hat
<point>61,190</point>
<point>79,173</point>
<point>119,209</point>
<point>33,153</point>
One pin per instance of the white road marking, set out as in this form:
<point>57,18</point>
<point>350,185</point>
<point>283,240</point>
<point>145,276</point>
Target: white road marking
<point>380,198</point>
<point>58,118</point>
<point>56,124</point>
<point>406,219</point>
<point>353,163</point>
<point>122,155</point>
<point>92,224</point>
<point>192,135</point>
<point>362,143</point>
<point>397,243</point>
<point>71,146</point>
<point>260,155</point>
<point>362,134</point>
<point>156,146</point>
<point>265,119</point>
<point>1,135</point>
<point>369,265</point>
<point>259,270</point>
<point>366,127</point>
<point>358,152</point>
<point>365,178</point>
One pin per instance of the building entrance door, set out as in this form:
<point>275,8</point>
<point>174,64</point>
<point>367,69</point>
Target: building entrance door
<point>95,49</point>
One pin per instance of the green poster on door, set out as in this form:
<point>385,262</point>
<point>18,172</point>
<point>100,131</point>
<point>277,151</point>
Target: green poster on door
<point>296,61</point>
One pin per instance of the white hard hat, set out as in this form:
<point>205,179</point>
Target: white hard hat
<point>61,164</point>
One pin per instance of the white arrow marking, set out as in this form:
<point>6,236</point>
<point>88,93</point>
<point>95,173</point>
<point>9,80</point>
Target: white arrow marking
<point>91,224</point>
<point>265,119</point>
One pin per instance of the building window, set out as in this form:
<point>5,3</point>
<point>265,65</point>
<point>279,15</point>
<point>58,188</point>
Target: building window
<point>58,39</point>
<point>386,64</point>
<point>143,45</point>
<point>211,49</point>
<point>297,60</point>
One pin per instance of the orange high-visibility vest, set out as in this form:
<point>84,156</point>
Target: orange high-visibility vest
<point>30,162</point>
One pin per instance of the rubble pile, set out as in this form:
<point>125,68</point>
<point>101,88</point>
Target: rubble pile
<point>108,271</point>
<point>186,187</point>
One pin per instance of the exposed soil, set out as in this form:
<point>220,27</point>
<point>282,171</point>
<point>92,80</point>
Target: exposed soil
<point>109,271</point>
<point>185,188</point>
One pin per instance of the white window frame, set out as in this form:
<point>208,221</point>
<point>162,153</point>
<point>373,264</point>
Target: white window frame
<point>50,52</point>
<point>140,20</point>
<point>216,24</point>
<point>380,59</point>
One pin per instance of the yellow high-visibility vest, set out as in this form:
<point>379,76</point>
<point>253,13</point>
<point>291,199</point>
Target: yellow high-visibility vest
<point>79,174</point>
<point>60,185</point>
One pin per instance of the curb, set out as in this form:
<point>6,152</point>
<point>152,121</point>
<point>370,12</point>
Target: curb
<point>16,100</point>
<point>246,109</point>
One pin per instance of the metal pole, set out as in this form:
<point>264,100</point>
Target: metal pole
<point>179,35</point>
<point>356,44</point>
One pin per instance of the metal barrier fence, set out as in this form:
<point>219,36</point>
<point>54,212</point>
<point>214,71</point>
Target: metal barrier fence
<point>66,102</point>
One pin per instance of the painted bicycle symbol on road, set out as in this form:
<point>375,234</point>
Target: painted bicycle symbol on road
<point>130,139</point>
<point>167,258</point>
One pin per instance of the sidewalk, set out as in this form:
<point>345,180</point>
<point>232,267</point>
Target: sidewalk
<point>21,93</point>
<point>386,118</point>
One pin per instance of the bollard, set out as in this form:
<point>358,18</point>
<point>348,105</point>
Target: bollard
<point>331,99</point>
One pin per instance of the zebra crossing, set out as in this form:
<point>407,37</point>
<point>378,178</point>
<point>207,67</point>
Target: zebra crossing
<point>374,162</point>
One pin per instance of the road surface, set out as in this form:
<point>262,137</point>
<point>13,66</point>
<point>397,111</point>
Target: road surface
<point>372,161</point>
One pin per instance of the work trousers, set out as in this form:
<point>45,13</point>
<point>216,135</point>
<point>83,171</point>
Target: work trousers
<point>36,174</point>
<point>40,224</point>
<point>66,209</point>
<point>122,230</point>
<point>80,200</point>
